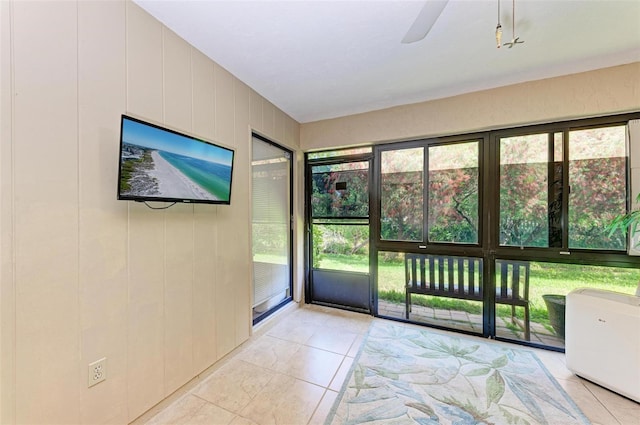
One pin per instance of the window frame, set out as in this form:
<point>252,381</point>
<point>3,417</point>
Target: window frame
<point>427,246</point>
<point>596,257</point>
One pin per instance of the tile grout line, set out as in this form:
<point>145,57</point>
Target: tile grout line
<point>601,403</point>
<point>317,406</point>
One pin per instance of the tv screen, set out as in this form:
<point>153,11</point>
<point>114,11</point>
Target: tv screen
<point>158,164</point>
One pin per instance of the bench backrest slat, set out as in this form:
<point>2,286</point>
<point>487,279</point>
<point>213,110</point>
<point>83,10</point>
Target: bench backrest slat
<point>432,273</point>
<point>440,275</point>
<point>514,280</point>
<point>504,274</point>
<point>423,281</point>
<point>461,277</point>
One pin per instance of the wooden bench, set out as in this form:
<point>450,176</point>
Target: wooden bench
<point>461,278</point>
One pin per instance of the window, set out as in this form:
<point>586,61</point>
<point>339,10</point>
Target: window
<point>340,216</point>
<point>536,199</point>
<point>597,177</point>
<point>401,195</point>
<point>524,180</point>
<point>453,193</point>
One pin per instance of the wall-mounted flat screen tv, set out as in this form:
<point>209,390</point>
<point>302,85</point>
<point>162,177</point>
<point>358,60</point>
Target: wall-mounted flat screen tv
<point>159,164</point>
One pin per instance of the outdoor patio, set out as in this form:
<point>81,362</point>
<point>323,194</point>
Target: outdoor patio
<point>469,322</point>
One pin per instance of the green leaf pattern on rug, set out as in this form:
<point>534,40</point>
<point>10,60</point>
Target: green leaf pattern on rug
<point>495,388</point>
<point>409,376</point>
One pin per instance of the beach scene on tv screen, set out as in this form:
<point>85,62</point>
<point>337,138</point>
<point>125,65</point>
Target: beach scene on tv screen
<point>160,164</point>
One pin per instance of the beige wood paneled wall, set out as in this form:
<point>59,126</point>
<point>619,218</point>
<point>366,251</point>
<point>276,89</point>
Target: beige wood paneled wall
<point>594,93</point>
<point>162,294</point>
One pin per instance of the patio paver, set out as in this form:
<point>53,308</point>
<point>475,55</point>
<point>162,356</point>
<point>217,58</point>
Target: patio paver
<point>470,322</point>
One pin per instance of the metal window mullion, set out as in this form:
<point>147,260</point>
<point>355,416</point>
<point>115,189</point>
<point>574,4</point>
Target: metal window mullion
<point>425,194</point>
<point>486,276</point>
<point>566,190</point>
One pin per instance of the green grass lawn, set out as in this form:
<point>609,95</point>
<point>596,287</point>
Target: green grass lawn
<point>545,278</point>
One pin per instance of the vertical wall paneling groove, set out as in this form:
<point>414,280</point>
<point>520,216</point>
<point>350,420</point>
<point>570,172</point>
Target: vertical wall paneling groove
<point>163,93</point>
<point>193,371</point>
<point>204,223</point>
<point>163,213</point>
<point>128,316</point>
<point>145,342</point>
<point>79,371</point>
<point>203,96</point>
<point>161,294</point>
<point>144,64</point>
<point>242,100</point>
<point>192,260</point>
<point>256,112</point>
<point>224,106</point>
<point>268,119</point>
<point>178,342</point>
<point>279,126</point>
<point>228,274</point>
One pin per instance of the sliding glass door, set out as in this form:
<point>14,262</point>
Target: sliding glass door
<point>271,169</point>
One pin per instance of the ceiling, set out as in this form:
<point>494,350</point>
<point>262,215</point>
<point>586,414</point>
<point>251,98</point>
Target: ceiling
<point>325,59</point>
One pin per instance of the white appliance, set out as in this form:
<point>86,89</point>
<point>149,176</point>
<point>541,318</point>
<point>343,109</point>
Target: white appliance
<point>603,339</point>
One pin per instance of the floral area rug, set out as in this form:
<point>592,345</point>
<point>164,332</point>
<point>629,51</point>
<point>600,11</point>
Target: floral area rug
<point>405,375</point>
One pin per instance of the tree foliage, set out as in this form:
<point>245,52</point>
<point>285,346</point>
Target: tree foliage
<point>340,191</point>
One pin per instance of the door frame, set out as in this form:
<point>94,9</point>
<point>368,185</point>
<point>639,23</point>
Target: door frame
<point>355,302</point>
<point>289,298</point>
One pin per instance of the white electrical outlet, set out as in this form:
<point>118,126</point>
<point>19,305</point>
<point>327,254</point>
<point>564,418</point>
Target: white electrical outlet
<point>97,371</point>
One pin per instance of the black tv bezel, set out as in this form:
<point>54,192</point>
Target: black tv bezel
<point>137,198</point>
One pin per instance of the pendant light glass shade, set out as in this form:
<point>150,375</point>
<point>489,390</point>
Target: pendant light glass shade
<point>498,29</point>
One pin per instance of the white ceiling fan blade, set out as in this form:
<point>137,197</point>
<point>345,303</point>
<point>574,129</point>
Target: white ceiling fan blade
<point>425,20</point>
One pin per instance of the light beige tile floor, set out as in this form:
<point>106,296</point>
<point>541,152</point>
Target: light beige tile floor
<point>291,370</point>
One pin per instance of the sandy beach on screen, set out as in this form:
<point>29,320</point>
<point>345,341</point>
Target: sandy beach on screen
<point>172,183</point>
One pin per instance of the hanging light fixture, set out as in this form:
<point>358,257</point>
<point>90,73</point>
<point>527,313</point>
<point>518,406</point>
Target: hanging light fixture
<point>498,29</point>
<point>514,40</point>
